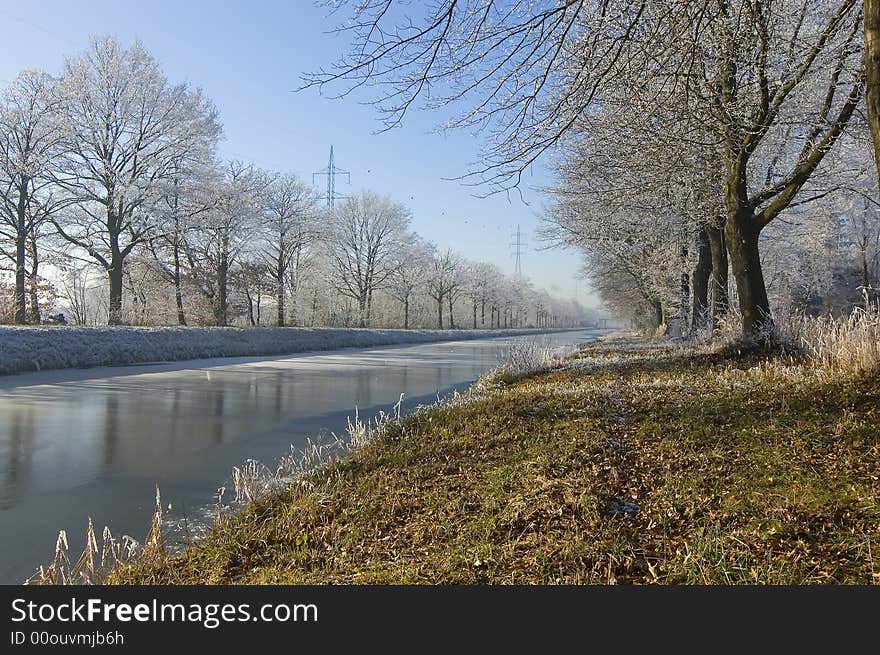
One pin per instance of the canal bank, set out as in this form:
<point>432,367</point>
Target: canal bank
<point>80,444</point>
<point>637,462</point>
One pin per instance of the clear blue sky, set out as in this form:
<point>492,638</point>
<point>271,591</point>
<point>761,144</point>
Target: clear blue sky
<point>247,57</point>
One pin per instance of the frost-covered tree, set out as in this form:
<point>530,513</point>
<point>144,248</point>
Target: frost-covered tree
<point>290,224</point>
<point>364,234</point>
<point>482,280</point>
<point>29,141</point>
<point>185,200</point>
<point>872,70</point>
<point>410,273</point>
<point>126,130</point>
<point>225,232</point>
<point>530,72</point>
<point>443,280</point>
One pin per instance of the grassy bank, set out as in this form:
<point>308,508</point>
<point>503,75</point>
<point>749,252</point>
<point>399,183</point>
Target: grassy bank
<point>636,462</point>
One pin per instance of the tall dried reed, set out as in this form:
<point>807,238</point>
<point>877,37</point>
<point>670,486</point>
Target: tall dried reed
<point>843,346</point>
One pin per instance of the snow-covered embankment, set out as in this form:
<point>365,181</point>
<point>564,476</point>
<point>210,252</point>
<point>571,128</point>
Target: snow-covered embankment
<point>35,349</point>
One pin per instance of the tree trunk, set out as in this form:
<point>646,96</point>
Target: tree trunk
<point>657,307</point>
<point>451,315</point>
<point>362,309</point>
<point>294,290</point>
<point>475,314</point>
<point>114,273</point>
<point>406,314</point>
<point>720,266</point>
<point>178,291</point>
<point>742,243</point>
<point>872,66</point>
<point>280,297</point>
<point>34,314</point>
<point>20,263</point>
<point>222,315</point>
<point>684,292</point>
<point>440,313</point>
<point>483,313</point>
<point>700,281</point>
<point>250,302</point>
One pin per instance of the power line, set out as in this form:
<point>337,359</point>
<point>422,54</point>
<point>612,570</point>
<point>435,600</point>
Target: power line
<point>331,172</point>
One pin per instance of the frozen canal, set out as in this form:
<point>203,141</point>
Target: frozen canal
<point>96,442</point>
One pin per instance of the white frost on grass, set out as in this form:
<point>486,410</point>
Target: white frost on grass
<point>36,349</point>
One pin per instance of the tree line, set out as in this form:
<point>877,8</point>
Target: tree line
<point>711,157</point>
<point>115,205</point>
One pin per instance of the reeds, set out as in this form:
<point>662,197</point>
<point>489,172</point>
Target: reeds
<point>95,562</point>
<point>842,346</point>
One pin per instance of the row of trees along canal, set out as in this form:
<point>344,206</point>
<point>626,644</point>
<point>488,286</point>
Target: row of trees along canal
<point>691,140</point>
<point>109,177</point>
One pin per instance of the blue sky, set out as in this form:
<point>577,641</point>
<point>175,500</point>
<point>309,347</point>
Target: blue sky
<point>248,57</point>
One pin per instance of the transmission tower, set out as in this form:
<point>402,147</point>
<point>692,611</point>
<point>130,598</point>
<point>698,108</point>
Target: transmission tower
<point>517,245</point>
<point>331,172</point>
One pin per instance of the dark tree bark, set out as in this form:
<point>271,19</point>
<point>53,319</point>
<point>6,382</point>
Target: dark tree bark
<point>280,300</point>
<point>684,291</point>
<point>700,281</point>
<point>20,262</point>
<point>872,67</point>
<point>34,273</point>
<point>741,235</point>
<point>406,313</point>
<point>250,310</point>
<point>114,274</point>
<point>720,271</point>
<point>221,313</point>
<point>659,314</point>
<point>178,283</point>
<point>440,313</point>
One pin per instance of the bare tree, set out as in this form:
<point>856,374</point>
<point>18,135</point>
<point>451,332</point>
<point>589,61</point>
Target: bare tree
<point>29,140</point>
<point>127,130</point>
<point>252,279</point>
<point>74,291</point>
<point>224,232</point>
<point>365,232</point>
<point>442,280</point>
<point>184,201</point>
<point>510,59</point>
<point>410,274</point>
<point>482,281</point>
<point>290,224</point>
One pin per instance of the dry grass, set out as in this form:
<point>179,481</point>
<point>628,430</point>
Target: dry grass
<point>849,346</point>
<point>95,563</point>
